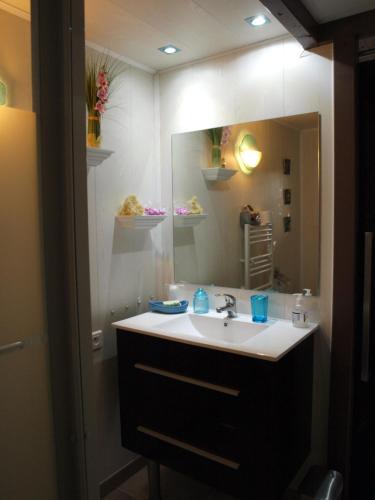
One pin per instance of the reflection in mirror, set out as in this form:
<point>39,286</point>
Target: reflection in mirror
<point>246,205</point>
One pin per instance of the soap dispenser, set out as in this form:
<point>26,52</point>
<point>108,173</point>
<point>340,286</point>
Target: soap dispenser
<point>299,313</point>
<point>201,302</point>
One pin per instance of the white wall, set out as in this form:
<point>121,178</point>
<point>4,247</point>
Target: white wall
<point>122,262</point>
<point>266,81</point>
<point>270,80</point>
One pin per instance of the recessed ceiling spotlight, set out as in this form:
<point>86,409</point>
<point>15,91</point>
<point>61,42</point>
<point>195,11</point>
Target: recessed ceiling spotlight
<point>259,20</point>
<point>169,49</point>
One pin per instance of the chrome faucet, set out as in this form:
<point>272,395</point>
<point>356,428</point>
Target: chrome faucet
<point>230,305</point>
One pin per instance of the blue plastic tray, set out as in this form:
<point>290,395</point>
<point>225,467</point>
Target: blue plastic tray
<point>157,306</point>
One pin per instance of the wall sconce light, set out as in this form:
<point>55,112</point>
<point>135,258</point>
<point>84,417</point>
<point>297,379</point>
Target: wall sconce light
<point>3,94</point>
<point>247,153</point>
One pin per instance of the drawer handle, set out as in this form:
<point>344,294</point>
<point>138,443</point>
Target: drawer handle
<point>188,380</point>
<point>188,447</point>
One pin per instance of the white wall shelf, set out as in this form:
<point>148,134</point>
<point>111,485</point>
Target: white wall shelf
<point>188,220</point>
<point>218,173</point>
<point>96,156</point>
<point>139,221</point>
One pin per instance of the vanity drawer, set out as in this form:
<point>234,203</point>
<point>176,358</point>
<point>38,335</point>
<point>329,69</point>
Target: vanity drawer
<point>207,418</point>
<point>231,476</point>
<point>234,372</point>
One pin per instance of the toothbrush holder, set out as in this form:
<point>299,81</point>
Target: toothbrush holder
<point>259,308</point>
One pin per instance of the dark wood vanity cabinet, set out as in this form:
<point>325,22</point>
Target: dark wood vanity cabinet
<point>238,423</point>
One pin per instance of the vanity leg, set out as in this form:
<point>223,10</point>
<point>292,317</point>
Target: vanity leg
<point>153,469</point>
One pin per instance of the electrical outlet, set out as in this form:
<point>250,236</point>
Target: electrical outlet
<point>97,340</point>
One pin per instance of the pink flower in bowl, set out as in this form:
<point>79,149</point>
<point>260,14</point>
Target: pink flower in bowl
<point>182,211</point>
<point>155,211</point>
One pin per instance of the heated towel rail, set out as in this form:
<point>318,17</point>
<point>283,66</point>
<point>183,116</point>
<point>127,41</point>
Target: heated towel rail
<point>258,257</point>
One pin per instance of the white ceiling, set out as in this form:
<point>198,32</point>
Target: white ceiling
<point>329,10</point>
<point>201,28</point>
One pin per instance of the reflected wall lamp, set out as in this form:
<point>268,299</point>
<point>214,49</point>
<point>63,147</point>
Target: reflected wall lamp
<point>247,152</point>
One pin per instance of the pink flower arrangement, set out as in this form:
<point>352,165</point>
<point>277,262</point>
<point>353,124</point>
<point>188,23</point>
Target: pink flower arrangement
<point>102,80</point>
<point>182,211</point>
<point>155,211</point>
<point>101,72</point>
<point>102,84</point>
<point>99,106</point>
<point>225,136</point>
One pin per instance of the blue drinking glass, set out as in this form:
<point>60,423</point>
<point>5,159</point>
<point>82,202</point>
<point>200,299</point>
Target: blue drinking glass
<point>259,308</point>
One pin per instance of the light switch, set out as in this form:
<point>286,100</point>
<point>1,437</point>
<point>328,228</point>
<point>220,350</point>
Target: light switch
<point>97,340</point>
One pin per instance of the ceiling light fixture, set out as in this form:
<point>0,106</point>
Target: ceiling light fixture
<point>256,21</point>
<point>169,49</point>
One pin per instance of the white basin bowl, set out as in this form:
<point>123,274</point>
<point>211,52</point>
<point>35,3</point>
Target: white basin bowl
<point>233,331</point>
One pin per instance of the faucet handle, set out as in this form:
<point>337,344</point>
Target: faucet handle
<point>228,297</point>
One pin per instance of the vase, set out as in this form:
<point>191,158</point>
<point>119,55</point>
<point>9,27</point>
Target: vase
<point>93,130</point>
<point>216,155</point>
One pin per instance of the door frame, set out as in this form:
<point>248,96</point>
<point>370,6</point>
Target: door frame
<point>344,34</point>
<point>58,51</point>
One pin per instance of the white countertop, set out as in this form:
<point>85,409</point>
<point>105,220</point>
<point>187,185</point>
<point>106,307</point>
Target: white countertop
<point>272,343</point>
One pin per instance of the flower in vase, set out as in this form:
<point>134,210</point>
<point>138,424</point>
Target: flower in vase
<point>102,94</point>
<point>101,80</point>
<point>101,71</point>
<point>99,106</point>
<point>225,135</point>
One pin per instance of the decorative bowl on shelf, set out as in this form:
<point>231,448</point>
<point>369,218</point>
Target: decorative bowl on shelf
<point>139,221</point>
<point>188,220</point>
<point>218,173</point>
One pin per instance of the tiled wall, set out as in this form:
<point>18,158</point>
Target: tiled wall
<point>280,305</point>
<point>122,261</point>
<point>266,81</point>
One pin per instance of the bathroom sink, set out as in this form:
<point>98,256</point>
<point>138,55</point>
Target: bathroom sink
<point>232,331</point>
<point>268,341</point>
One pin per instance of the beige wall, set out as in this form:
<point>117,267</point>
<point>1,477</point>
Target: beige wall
<point>26,444</point>
<point>26,427</point>
<point>266,81</point>
<point>15,59</point>
<point>310,217</point>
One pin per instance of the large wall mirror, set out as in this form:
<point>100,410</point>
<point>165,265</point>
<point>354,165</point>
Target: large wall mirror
<point>246,205</point>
